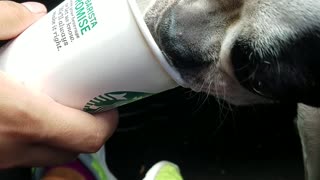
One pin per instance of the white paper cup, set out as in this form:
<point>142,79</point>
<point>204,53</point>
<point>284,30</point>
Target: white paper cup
<point>92,55</point>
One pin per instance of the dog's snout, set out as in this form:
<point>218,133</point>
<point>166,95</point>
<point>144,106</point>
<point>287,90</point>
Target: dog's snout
<point>178,53</point>
<point>180,44</point>
<point>291,74</point>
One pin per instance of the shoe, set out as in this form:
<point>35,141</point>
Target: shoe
<point>90,166</point>
<point>164,170</point>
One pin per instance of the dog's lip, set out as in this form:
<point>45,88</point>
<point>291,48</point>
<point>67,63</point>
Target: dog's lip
<point>231,97</point>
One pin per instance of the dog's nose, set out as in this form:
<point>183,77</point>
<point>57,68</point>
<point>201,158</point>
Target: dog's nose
<point>292,74</point>
<point>178,51</point>
<point>179,44</point>
<point>181,57</point>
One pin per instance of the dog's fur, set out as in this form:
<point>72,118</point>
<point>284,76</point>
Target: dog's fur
<point>247,52</point>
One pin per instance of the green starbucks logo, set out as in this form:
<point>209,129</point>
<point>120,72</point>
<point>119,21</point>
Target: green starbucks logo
<point>113,99</point>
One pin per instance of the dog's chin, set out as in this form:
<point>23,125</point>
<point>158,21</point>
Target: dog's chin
<point>216,82</point>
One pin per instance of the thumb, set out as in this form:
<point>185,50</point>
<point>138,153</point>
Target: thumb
<point>15,17</point>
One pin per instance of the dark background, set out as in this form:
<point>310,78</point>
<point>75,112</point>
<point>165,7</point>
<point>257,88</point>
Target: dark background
<point>208,139</point>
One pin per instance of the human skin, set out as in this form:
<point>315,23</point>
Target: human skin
<point>34,129</point>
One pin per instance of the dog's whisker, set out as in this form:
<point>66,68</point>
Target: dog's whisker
<point>208,90</point>
<point>205,87</point>
<point>250,56</point>
<point>267,62</point>
<point>243,67</point>
<point>203,83</point>
<point>209,87</point>
<point>190,94</point>
<point>220,101</point>
<point>258,92</point>
<point>198,104</point>
<point>279,68</point>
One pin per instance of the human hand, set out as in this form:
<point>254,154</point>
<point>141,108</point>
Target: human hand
<point>34,129</point>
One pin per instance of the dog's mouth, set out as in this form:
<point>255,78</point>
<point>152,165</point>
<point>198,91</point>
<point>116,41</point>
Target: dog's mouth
<point>185,37</point>
<point>179,32</point>
<point>273,67</point>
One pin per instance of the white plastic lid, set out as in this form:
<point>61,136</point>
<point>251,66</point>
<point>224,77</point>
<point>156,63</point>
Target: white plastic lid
<point>153,45</point>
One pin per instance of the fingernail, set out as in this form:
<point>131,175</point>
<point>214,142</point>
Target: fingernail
<point>35,7</point>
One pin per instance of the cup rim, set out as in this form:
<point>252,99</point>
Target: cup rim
<point>153,45</point>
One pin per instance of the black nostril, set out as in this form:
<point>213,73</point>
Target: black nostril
<point>182,58</point>
<point>248,69</point>
<point>292,74</point>
<point>180,52</point>
<point>268,76</point>
<point>242,61</point>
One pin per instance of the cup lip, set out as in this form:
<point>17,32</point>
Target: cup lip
<point>153,45</point>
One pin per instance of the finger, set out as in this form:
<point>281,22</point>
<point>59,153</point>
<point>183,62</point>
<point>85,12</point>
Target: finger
<point>39,156</point>
<point>13,154</point>
<point>33,117</point>
<point>15,17</point>
<point>76,130</point>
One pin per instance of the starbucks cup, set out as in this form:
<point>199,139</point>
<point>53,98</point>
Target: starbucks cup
<point>92,55</point>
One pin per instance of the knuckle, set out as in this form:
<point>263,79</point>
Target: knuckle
<point>15,17</point>
<point>16,12</point>
<point>97,142</point>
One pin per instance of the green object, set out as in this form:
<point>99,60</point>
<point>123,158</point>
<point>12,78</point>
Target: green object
<point>169,172</point>
<point>164,170</point>
<point>114,99</point>
<point>98,169</point>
